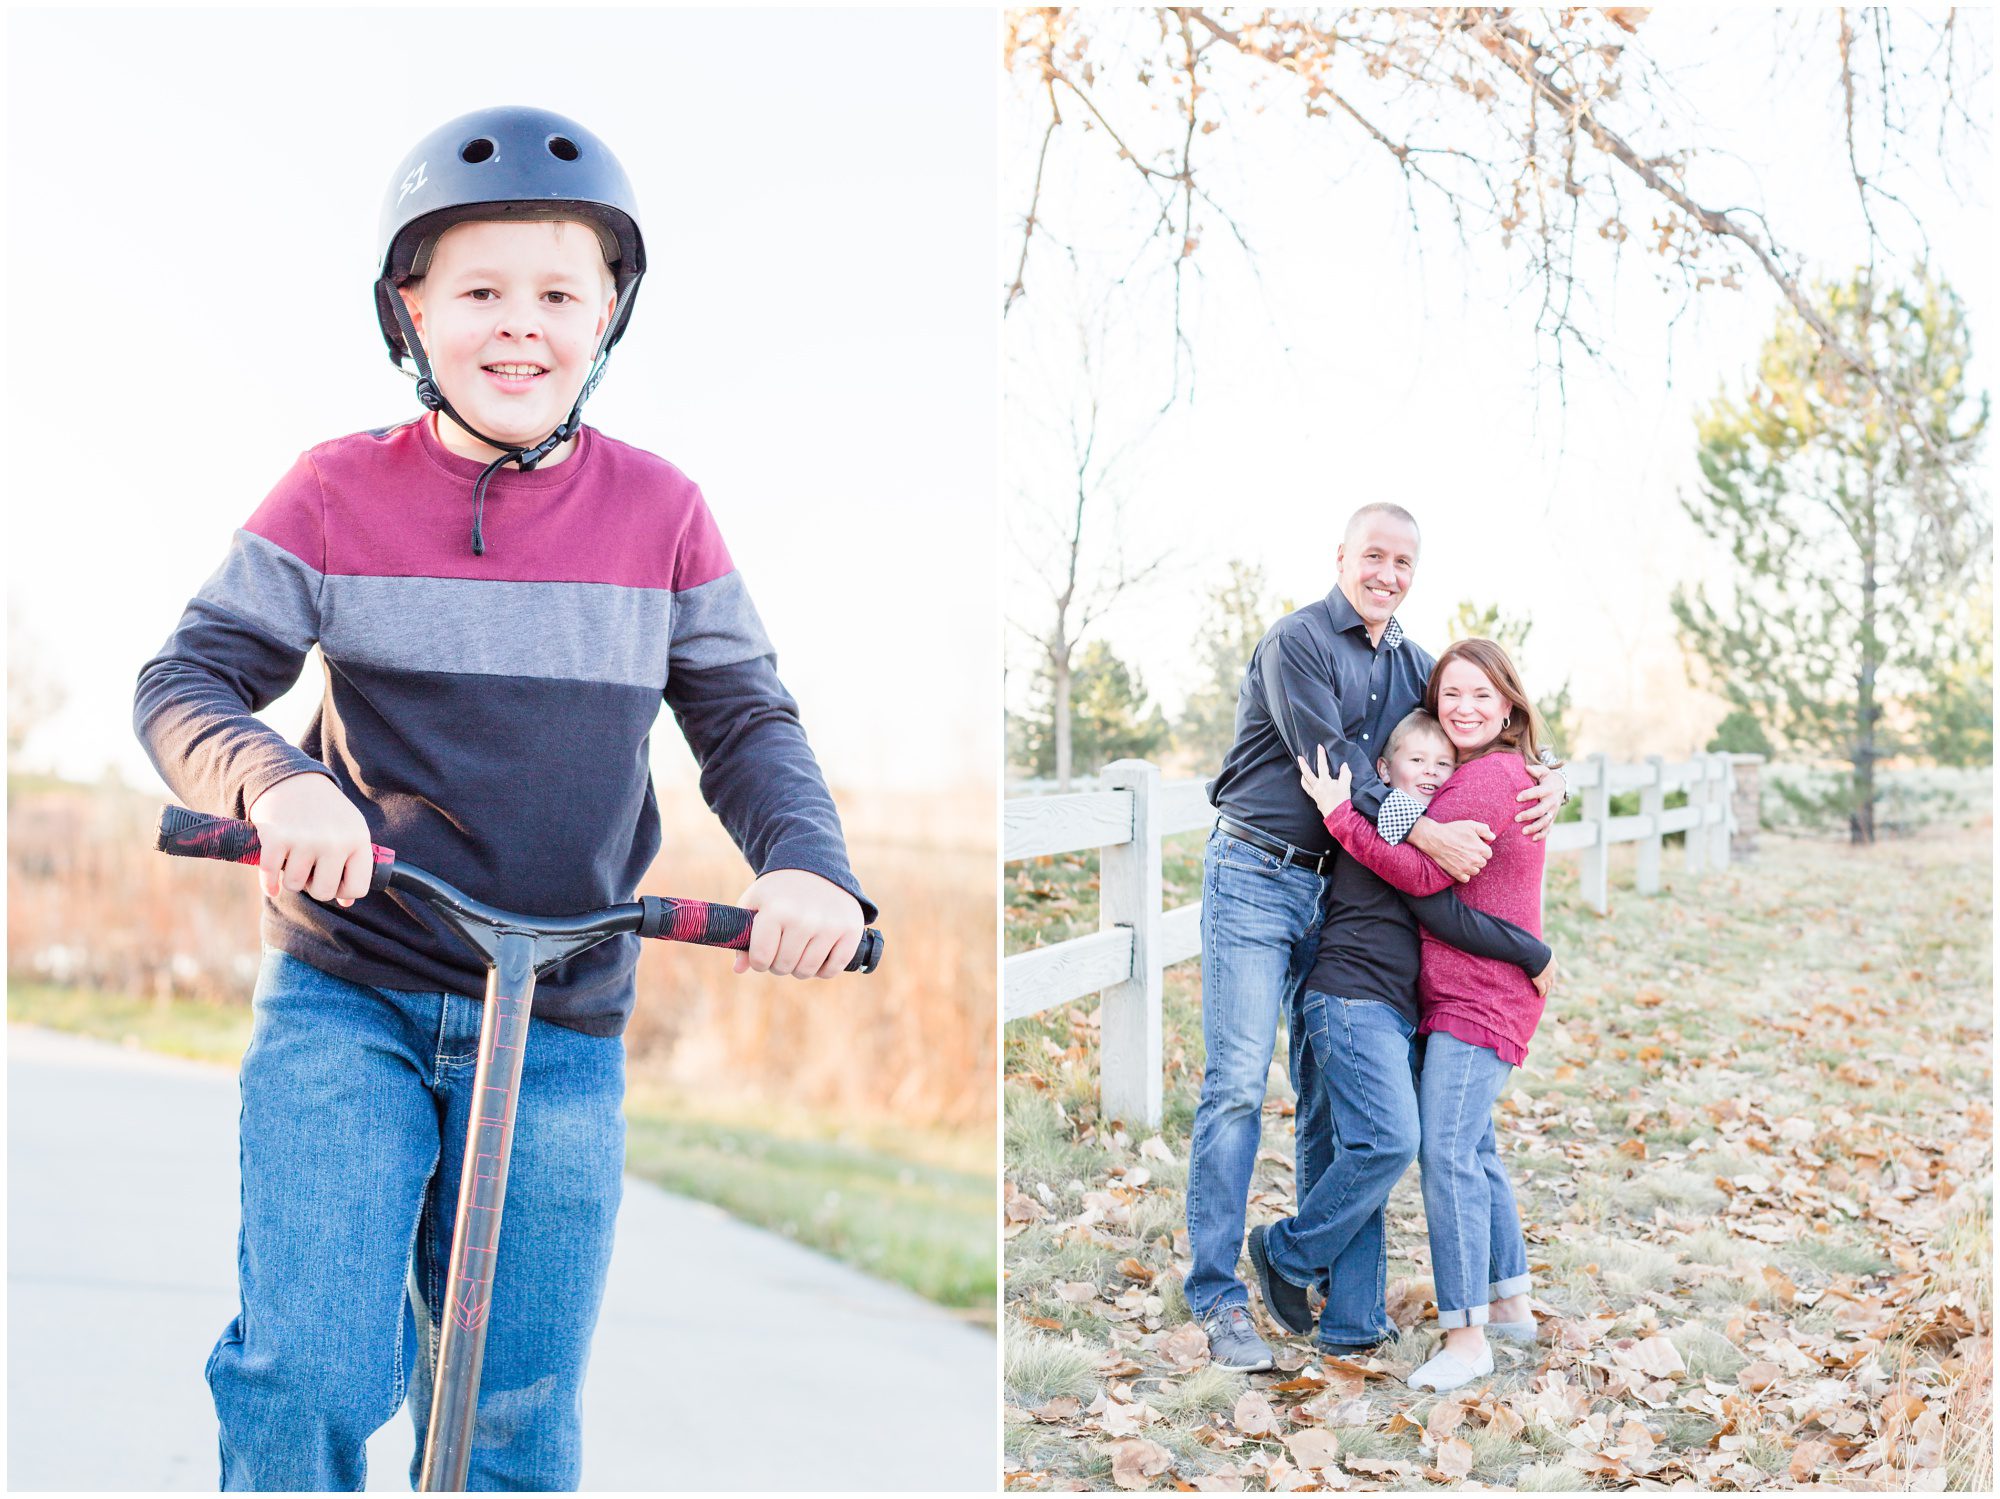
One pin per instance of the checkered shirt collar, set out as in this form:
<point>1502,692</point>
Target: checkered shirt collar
<point>1347,617</point>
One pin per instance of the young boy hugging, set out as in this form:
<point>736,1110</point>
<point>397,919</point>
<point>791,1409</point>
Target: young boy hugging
<point>1359,1017</point>
<point>502,598</point>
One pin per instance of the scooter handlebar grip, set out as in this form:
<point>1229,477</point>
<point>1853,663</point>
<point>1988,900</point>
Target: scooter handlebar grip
<point>712,925</point>
<point>196,835</point>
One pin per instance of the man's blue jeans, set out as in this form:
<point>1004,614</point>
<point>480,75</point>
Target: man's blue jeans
<point>1260,921</point>
<point>1367,1073</point>
<point>1477,1251</point>
<point>355,1103</point>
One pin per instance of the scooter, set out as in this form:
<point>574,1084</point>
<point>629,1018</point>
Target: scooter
<point>517,948</point>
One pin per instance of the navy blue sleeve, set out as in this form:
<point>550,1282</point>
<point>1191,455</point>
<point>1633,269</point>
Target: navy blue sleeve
<point>1451,920</point>
<point>758,774</point>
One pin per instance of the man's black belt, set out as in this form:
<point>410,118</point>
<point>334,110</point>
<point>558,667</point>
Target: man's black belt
<point>1277,848</point>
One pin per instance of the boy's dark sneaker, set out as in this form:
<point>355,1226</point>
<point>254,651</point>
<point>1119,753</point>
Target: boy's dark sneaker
<point>1233,1343</point>
<point>1284,1301</point>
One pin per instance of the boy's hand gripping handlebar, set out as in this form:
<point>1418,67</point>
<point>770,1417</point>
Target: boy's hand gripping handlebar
<point>194,835</point>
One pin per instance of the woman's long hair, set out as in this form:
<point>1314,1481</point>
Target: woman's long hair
<point>1523,732</point>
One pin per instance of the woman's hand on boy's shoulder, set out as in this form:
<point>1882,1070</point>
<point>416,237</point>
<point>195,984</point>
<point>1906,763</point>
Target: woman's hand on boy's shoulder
<point>807,926</point>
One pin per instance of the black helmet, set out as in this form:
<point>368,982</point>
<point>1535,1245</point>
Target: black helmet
<point>510,162</point>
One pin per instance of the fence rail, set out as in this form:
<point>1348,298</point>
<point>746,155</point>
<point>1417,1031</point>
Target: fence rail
<point>1134,809</point>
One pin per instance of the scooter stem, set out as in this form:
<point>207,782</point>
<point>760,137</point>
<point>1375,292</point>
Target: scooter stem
<point>482,1191</point>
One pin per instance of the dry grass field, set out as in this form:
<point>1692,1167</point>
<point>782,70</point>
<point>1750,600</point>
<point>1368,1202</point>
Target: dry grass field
<point>856,1115</point>
<point>90,904</point>
<point>1753,1149</point>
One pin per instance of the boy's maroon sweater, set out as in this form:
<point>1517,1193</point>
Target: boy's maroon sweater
<point>1481,1001</point>
<point>490,715</point>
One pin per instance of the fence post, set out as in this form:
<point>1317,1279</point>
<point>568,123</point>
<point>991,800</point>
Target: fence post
<point>1744,776</point>
<point>1652,802</point>
<point>1725,808</point>
<point>1130,1025</point>
<point>1697,835</point>
<point>1596,881</point>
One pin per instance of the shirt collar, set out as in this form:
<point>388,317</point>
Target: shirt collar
<point>1346,618</point>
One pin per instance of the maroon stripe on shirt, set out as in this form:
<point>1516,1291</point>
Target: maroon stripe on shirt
<point>399,504</point>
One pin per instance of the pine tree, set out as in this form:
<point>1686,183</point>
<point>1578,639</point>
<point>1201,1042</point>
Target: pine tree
<point>1845,518</point>
<point>1108,716</point>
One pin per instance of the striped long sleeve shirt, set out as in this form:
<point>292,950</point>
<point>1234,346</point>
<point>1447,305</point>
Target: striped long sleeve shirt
<point>489,715</point>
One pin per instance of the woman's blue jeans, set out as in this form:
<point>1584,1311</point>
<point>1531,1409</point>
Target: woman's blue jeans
<point>1260,921</point>
<point>355,1104</point>
<point>1367,1076</point>
<point>1477,1252</point>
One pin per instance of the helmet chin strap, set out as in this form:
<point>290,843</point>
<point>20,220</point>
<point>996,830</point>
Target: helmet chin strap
<point>433,398</point>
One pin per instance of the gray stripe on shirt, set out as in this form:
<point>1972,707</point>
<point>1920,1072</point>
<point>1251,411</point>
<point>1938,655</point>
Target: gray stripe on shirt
<point>577,632</point>
<point>715,624</point>
<point>259,581</point>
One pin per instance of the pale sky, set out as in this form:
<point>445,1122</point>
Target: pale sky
<point>193,200</point>
<point>1357,369</point>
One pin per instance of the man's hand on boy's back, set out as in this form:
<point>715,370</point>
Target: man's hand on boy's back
<point>806,926</point>
<point>314,839</point>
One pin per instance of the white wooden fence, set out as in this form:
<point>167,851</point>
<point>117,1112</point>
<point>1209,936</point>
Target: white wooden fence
<point>1134,809</point>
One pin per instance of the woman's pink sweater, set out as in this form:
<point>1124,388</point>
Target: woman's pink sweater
<point>1482,1001</point>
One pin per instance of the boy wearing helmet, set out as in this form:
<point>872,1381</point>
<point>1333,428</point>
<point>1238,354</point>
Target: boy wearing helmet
<point>502,598</point>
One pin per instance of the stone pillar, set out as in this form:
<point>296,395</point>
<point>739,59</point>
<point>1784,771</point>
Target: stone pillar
<point>1744,805</point>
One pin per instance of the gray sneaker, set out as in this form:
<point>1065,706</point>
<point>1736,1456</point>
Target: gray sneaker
<point>1233,1343</point>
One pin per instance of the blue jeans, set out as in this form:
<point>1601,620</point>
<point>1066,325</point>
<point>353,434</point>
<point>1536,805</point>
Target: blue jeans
<point>1312,1124</point>
<point>1477,1252</point>
<point>1366,1058</point>
<point>355,1103</point>
<point>1260,920</point>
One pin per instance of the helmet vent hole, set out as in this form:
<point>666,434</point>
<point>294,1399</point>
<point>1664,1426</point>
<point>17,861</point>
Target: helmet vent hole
<point>476,151</point>
<point>562,148</point>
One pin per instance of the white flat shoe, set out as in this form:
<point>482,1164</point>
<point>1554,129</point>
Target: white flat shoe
<point>1447,1371</point>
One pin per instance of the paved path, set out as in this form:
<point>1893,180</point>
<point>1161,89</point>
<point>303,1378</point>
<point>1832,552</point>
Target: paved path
<point>121,1261</point>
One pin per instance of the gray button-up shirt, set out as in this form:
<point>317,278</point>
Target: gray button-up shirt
<point>1315,679</point>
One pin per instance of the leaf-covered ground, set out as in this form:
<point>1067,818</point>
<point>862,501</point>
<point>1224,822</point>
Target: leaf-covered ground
<point>1752,1146</point>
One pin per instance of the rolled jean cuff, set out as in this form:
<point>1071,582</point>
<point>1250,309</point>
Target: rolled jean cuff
<point>1513,1285</point>
<point>1472,1316</point>
<point>1224,1300</point>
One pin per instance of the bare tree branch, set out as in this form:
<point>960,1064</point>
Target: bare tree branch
<point>1538,81</point>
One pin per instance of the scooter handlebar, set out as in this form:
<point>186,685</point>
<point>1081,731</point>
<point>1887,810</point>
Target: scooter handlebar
<point>196,835</point>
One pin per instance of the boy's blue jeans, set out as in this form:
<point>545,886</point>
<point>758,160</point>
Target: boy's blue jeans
<point>1366,1078</point>
<point>1477,1251</point>
<point>355,1102</point>
<point>1260,921</point>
